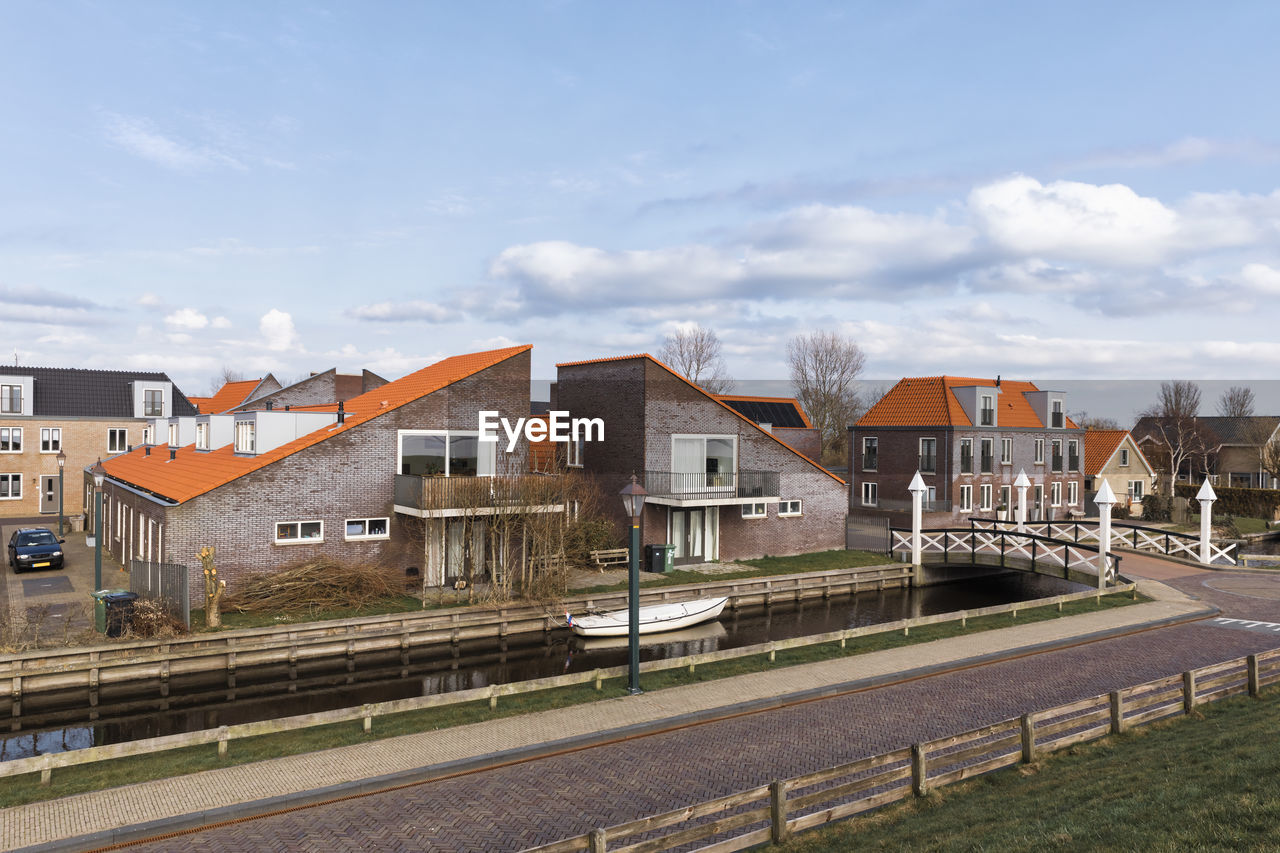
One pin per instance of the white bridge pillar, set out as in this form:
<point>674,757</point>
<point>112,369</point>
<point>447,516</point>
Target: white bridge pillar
<point>1206,496</point>
<point>917,489</point>
<point>1022,484</point>
<point>1105,499</point>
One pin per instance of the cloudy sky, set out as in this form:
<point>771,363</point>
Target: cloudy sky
<point>972,188</point>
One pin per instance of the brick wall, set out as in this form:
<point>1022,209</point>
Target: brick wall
<point>84,440</point>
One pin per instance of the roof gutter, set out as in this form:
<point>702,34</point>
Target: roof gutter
<point>154,497</point>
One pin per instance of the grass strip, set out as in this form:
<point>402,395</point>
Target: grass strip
<point>161,765</point>
<point>1208,782</point>
<point>820,561</point>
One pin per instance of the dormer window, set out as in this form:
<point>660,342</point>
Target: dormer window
<point>245,437</point>
<point>153,403</point>
<point>202,436</point>
<point>11,399</point>
<point>1056,419</point>
<point>987,412</point>
<point>173,435</point>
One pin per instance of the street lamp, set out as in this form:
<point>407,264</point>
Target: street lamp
<point>62,461</point>
<point>99,474</point>
<point>633,495</point>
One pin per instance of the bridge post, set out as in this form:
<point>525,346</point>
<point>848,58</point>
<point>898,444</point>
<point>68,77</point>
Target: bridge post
<point>1105,499</point>
<point>1206,496</point>
<point>917,489</point>
<point>1022,484</point>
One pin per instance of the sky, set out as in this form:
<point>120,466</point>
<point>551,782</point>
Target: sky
<point>1082,191</point>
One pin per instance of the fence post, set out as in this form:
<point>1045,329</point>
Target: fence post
<point>46,771</point>
<point>224,735</point>
<point>493,697</point>
<point>596,842</point>
<point>1117,712</point>
<point>919,770</point>
<point>367,710</point>
<point>1252,663</point>
<point>1188,691</point>
<point>777,811</point>
<point>1028,726</point>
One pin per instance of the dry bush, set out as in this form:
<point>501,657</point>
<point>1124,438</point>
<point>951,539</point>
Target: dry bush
<point>150,619</point>
<point>321,583</point>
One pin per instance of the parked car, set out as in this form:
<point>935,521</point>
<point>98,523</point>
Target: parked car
<point>34,548</point>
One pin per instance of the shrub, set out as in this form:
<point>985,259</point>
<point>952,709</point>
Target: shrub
<point>1247,503</point>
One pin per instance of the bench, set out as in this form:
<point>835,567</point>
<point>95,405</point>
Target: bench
<point>548,561</point>
<point>610,557</point>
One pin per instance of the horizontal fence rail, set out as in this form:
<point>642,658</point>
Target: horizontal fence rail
<point>775,811</point>
<point>476,492</point>
<point>697,486</point>
<point>45,764</point>
<point>1137,537</point>
<point>1001,545</point>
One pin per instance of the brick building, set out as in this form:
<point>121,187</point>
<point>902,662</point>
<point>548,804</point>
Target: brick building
<point>720,486</point>
<point>84,414</point>
<point>398,478</point>
<point>782,416</point>
<point>968,438</point>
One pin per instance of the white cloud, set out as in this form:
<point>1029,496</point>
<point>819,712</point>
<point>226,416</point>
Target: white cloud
<point>149,300</point>
<point>1261,279</point>
<point>278,330</point>
<point>220,323</point>
<point>403,312</point>
<point>186,318</point>
<point>140,137</point>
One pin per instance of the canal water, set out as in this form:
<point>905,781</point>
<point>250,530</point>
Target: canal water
<point>54,722</point>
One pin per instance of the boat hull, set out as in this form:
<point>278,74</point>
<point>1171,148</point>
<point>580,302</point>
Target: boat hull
<point>654,619</point>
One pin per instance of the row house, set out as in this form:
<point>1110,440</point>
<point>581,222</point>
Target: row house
<point>73,416</point>
<point>968,438</point>
<point>1226,450</point>
<point>232,395</point>
<point>1112,455</point>
<point>721,485</point>
<point>324,388</point>
<point>395,476</point>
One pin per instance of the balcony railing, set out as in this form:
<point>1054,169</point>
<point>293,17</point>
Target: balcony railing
<point>1057,462</point>
<point>742,484</point>
<point>870,461</point>
<point>928,463</point>
<point>966,460</point>
<point>1073,462</point>
<point>1055,420</point>
<point>440,493</point>
<point>987,417</point>
<point>987,463</point>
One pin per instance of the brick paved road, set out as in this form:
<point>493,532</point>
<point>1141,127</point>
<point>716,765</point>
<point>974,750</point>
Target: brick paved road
<point>548,799</point>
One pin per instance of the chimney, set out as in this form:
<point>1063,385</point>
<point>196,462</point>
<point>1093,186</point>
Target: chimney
<point>342,415</point>
<point>146,450</point>
<point>173,453</point>
<point>271,404</point>
<point>286,408</point>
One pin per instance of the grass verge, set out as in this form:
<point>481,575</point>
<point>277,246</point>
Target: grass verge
<point>1211,782</point>
<point>73,780</point>
<point>819,561</point>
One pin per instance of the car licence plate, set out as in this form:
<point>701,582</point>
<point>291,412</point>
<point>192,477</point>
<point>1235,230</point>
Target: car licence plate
<point>40,565</point>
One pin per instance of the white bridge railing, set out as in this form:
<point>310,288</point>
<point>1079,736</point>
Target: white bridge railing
<point>1040,550</point>
<point>1134,536</point>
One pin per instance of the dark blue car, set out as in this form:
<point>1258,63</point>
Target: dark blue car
<point>34,548</point>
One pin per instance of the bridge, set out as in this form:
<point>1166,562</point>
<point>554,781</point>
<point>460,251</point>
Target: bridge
<point>1010,549</point>
<point>1134,537</point>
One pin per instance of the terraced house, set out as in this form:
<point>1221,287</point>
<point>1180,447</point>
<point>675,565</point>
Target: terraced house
<point>395,476</point>
<point>968,438</point>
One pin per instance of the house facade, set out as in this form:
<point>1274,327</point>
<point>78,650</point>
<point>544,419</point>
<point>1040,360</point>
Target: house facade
<point>782,416</point>
<point>1226,450</point>
<point>969,438</point>
<point>82,414</point>
<point>721,487</point>
<point>1113,456</point>
<point>397,478</point>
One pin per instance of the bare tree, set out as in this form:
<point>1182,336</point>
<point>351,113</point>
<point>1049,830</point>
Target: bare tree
<point>1269,458</point>
<point>824,372</point>
<point>1175,429</point>
<point>696,354</point>
<point>1086,421</point>
<point>1236,402</point>
<point>227,374</point>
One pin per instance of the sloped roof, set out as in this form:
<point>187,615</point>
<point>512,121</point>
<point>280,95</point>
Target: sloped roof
<point>1243,432</point>
<point>784,412</point>
<point>193,473</point>
<point>230,395</point>
<point>931,401</point>
<point>710,397</point>
<point>78,392</point>
<point>1099,446</point>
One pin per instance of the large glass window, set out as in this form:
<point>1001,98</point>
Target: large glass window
<point>11,399</point>
<point>10,439</point>
<point>966,456</point>
<point>870,453</point>
<point>153,404</point>
<point>446,454</point>
<point>928,455</point>
<point>701,462</point>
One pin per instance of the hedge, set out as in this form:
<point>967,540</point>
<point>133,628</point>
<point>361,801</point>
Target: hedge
<point>1246,503</point>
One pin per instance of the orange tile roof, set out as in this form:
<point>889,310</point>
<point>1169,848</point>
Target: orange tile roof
<point>230,395</point>
<point>792,401</point>
<point>193,473</point>
<point>931,401</point>
<point>1099,446</point>
<point>201,404</point>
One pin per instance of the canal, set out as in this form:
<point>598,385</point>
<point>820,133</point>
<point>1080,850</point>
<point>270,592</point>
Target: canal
<point>54,722</point>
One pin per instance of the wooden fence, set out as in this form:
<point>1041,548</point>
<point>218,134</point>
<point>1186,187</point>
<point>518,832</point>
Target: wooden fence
<point>773,812</point>
<point>46,764</point>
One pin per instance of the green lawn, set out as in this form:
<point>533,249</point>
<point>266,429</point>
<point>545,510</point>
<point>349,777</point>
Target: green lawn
<point>819,561</point>
<point>1210,782</point>
<point>25,789</point>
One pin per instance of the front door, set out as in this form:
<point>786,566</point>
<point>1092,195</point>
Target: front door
<point>1037,508</point>
<point>687,534</point>
<point>48,493</point>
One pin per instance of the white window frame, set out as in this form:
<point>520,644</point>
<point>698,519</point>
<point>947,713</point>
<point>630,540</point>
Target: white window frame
<point>573,451</point>
<point>146,436</point>
<point>50,439</point>
<point>6,391</point>
<point>202,436</point>
<point>1006,451</point>
<point>966,444</point>
<point>117,439</point>
<point>147,411</point>
<point>1124,457</point>
<point>174,435</point>
<point>366,537</point>
<point>299,539</point>
<point>870,494</point>
<point>966,498</point>
<point>13,433</point>
<point>983,444</point>
<point>705,437</point>
<point>984,497</point>
<point>13,480</point>
<point>1006,498</point>
<point>1055,493</point>
<point>790,508</point>
<point>451,433</point>
<point>921,454</point>
<point>871,441</point>
<point>1139,493</point>
<point>1073,492</point>
<point>755,510</point>
<point>1073,449</point>
<point>1039,451</point>
<point>246,437</point>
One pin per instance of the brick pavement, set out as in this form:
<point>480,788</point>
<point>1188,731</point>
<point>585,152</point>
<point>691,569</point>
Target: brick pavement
<point>552,797</point>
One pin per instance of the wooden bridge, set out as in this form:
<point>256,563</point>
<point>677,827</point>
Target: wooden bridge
<point>1135,537</point>
<point>1011,549</point>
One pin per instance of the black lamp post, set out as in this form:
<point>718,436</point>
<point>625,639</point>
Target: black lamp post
<point>62,461</point>
<point>99,474</point>
<point>633,495</point>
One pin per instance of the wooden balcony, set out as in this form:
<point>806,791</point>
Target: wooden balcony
<point>441,497</point>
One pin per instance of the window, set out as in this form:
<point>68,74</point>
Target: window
<point>987,461</point>
<point>1073,493</point>
<point>755,510</point>
<point>1073,456</point>
<point>987,416</point>
<point>11,399</point>
<point>153,404</point>
<point>446,453</point>
<point>10,487</point>
<point>928,455</point>
<point>117,440</point>
<point>786,508</point>
<point>50,439</point>
<point>1056,446</point>
<point>146,435</point>
<point>1124,457</point>
<point>966,456</point>
<point>366,528</point>
<point>966,498</point>
<point>870,454</point>
<point>1006,451</point>
<point>984,497</point>
<point>701,462</point>
<point>574,459</point>
<point>870,494</point>
<point>1055,494</point>
<point>1057,419</point>
<point>1135,490</point>
<point>1039,460</point>
<point>202,436</point>
<point>10,439</point>
<point>930,498</point>
<point>1006,498</point>
<point>294,532</point>
<point>173,435</point>
<point>245,438</point>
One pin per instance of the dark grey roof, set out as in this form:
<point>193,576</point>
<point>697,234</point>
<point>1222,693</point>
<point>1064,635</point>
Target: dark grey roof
<point>784,415</point>
<point>1235,431</point>
<point>77,392</point>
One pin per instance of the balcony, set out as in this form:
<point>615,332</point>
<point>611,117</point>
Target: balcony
<point>987,463</point>
<point>443,497</point>
<point>987,417</point>
<point>1073,462</point>
<point>1057,463</point>
<point>674,488</point>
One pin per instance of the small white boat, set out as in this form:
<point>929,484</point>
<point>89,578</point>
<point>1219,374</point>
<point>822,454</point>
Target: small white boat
<point>699,638</point>
<point>653,618</point>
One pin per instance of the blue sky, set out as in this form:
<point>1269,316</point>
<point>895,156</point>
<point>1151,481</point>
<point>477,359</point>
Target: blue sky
<point>1081,191</point>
